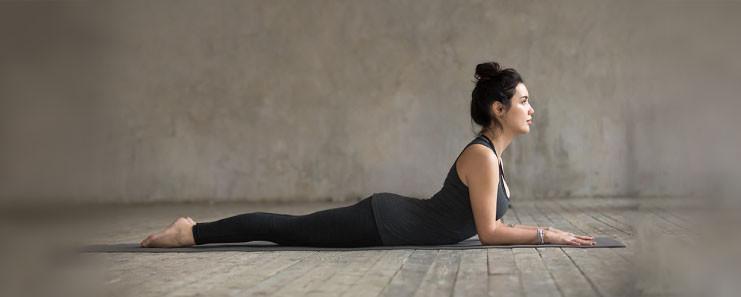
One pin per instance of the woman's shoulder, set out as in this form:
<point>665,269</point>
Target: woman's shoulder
<point>475,159</point>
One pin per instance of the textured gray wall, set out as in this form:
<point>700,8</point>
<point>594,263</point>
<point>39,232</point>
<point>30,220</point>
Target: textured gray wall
<point>311,100</point>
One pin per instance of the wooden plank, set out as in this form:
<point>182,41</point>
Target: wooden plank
<point>472,274</point>
<point>440,278</point>
<point>596,208</point>
<point>311,282</point>
<point>379,275</point>
<point>618,209</point>
<point>408,279</point>
<point>662,211</point>
<point>122,274</point>
<point>504,278</point>
<point>505,285</point>
<point>502,261</point>
<point>345,273</point>
<point>216,280</point>
<point>246,273</point>
<point>587,218</point>
<point>568,277</point>
<point>606,271</point>
<point>162,273</point>
<point>606,278</point>
<point>287,276</point>
<point>536,279</point>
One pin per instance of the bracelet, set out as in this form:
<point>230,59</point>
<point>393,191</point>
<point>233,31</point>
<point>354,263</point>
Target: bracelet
<point>539,236</point>
<point>544,242</point>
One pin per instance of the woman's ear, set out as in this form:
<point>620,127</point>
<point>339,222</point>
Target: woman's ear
<point>497,109</point>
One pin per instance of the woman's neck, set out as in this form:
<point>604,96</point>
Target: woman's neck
<point>500,141</point>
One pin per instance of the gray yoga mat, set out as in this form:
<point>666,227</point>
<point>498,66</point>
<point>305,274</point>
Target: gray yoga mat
<point>257,246</point>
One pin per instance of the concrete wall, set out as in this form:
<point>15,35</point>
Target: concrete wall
<point>133,101</point>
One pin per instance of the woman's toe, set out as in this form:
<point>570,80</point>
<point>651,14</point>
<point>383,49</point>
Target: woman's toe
<point>145,242</point>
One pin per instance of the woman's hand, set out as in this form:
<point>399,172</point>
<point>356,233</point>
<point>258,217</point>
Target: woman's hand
<point>555,236</point>
<point>551,228</point>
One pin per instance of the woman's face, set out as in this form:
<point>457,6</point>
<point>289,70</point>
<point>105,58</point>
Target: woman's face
<point>519,116</point>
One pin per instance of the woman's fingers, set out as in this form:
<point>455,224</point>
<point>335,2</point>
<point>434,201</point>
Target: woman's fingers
<point>579,242</point>
<point>589,242</point>
<point>585,241</point>
<point>572,240</point>
<point>578,236</point>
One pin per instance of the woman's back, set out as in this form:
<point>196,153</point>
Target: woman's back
<point>444,218</point>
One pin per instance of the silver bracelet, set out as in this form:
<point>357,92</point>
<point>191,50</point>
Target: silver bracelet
<point>540,236</point>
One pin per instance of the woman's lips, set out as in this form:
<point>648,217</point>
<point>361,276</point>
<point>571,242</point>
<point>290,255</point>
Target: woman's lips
<point>529,122</point>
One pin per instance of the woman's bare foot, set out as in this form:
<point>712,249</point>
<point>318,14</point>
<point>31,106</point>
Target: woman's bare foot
<point>178,234</point>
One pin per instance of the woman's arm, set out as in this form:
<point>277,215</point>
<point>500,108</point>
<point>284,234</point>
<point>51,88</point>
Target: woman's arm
<point>527,234</point>
<point>522,226</point>
<point>546,228</point>
<point>504,234</point>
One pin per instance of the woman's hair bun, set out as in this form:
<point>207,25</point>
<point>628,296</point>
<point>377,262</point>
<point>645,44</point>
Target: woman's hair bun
<point>487,70</point>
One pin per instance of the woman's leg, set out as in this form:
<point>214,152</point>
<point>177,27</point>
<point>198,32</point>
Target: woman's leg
<point>347,226</point>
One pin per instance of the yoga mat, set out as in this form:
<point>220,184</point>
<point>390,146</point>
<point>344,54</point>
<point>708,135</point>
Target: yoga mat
<point>257,246</point>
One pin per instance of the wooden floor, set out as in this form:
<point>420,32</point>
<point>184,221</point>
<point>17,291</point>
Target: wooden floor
<point>649,228</point>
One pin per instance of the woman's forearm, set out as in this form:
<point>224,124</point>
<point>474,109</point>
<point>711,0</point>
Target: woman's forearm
<point>504,234</point>
<point>522,226</point>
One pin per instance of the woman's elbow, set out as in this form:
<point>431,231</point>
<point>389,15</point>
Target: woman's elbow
<point>488,237</point>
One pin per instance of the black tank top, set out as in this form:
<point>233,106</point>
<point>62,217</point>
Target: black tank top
<point>445,218</point>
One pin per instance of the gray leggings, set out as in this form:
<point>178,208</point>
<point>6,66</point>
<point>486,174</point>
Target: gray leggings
<point>349,226</point>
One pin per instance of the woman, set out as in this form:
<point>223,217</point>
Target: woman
<point>472,200</point>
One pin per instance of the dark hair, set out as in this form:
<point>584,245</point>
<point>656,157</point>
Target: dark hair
<point>492,84</point>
